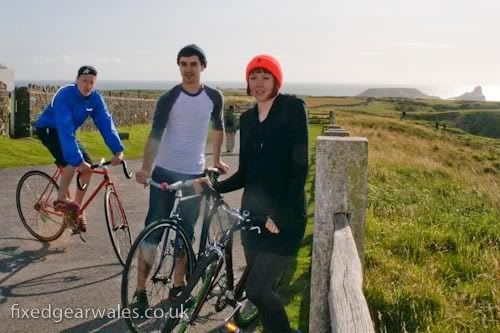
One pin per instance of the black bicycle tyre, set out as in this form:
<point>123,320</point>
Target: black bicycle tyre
<point>108,213</point>
<point>163,223</point>
<point>22,216</point>
<point>205,269</point>
<point>245,321</point>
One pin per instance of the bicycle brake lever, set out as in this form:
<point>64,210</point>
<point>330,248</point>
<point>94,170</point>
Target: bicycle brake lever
<point>255,228</point>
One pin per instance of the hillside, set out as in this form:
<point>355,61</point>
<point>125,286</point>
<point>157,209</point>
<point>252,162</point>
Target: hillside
<point>433,231</point>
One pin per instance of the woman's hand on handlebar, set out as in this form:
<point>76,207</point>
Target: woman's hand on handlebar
<point>271,226</point>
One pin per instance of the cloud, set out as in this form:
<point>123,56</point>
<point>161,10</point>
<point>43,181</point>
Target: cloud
<point>420,45</point>
<point>368,53</point>
<point>85,58</point>
<point>64,58</point>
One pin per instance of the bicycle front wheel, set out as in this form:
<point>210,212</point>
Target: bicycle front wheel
<point>160,251</point>
<point>35,196</point>
<point>117,224</point>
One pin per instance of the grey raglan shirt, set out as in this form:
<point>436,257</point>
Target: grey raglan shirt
<point>180,123</point>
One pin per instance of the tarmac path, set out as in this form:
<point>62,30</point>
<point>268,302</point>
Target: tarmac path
<point>68,273</point>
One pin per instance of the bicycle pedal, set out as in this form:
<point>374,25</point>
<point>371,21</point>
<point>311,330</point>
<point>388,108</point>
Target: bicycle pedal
<point>230,327</point>
<point>83,239</point>
<point>80,234</point>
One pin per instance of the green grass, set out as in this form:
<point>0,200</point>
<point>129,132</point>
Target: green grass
<point>295,286</point>
<point>30,151</point>
<point>432,244</point>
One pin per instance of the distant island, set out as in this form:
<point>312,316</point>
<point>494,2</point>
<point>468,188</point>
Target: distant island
<point>395,92</point>
<point>476,95</point>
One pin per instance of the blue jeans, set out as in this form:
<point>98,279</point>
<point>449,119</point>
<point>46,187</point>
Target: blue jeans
<point>161,203</point>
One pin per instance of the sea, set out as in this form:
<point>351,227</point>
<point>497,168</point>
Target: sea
<point>491,92</point>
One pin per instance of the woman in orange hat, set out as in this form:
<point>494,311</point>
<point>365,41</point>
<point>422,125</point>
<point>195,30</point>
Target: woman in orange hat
<point>273,166</point>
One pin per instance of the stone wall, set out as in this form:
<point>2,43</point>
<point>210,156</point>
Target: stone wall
<point>127,108</point>
<point>4,110</point>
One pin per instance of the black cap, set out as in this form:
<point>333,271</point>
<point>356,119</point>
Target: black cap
<point>191,50</point>
<point>87,70</point>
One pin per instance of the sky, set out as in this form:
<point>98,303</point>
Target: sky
<point>440,42</point>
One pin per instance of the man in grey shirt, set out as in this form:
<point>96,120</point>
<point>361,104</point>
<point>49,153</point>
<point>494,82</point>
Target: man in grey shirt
<point>176,146</point>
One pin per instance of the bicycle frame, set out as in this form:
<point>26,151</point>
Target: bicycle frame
<point>224,247</point>
<point>105,182</point>
<point>175,214</point>
<point>41,203</point>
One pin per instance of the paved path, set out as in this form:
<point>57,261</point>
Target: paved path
<point>68,273</point>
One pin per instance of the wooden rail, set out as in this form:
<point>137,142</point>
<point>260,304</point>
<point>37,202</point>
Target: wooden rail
<point>347,304</point>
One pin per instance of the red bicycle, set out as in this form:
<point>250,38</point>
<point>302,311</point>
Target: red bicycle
<point>37,192</point>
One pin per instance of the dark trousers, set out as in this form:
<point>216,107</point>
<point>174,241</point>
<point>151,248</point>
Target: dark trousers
<point>265,270</point>
<point>161,203</point>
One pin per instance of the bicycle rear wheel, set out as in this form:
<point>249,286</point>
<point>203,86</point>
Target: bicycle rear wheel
<point>246,314</point>
<point>151,262</point>
<point>35,196</point>
<point>194,295</point>
<point>117,224</point>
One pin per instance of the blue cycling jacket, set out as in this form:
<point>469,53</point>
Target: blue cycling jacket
<point>67,112</point>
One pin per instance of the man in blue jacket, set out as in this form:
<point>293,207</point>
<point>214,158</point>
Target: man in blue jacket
<point>56,127</point>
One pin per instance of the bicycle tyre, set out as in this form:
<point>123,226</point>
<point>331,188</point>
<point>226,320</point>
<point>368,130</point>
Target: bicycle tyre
<point>117,225</point>
<point>204,275</point>
<point>246,318</point>
<point>50,219</point>
<point>166,227</point>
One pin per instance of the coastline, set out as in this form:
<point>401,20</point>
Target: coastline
<point>492,92</point>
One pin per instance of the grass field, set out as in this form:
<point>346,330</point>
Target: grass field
<point>30,151</point>
<point>433,227</point>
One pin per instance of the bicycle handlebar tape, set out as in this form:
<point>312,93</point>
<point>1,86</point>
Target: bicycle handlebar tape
<point>164,186</point>
<point>128,174</point>
<point>80,186</point>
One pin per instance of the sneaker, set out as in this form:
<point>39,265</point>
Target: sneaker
<point>140,304</point>
<point>68,207</point>
<point>174,293</point>
<point>82,223</point>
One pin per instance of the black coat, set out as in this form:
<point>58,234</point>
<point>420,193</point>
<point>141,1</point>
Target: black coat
<point>273,168</point>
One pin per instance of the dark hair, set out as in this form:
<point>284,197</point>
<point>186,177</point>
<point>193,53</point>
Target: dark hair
<point>87,69</point>
<point>276,87</point>
<point>192,50</point>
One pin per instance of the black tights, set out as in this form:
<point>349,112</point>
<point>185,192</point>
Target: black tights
<point>265,269</point>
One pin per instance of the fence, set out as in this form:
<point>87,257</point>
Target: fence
<point>341,186</point>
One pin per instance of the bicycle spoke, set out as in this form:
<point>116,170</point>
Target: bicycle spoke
<point>34,191</point>
<point>153,248</point>
<point>117,225</point>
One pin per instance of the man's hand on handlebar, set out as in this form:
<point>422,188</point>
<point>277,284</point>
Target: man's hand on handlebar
<point>84,168</point>
<point>117,159</point>
<point>142,177</point>
<point>223,167</point>
<point>197,184</point>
